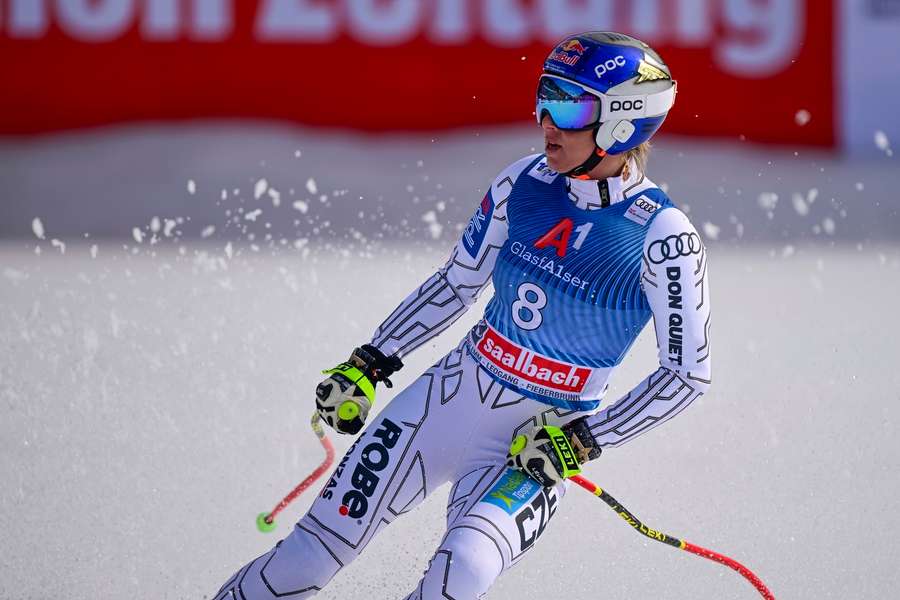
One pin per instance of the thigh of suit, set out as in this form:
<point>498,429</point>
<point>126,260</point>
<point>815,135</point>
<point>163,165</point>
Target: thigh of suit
<point>495,515</point>
<point>454,423</point>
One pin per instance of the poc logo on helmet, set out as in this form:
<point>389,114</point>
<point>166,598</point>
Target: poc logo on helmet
<point>620,105</point>
<point>610,65</point>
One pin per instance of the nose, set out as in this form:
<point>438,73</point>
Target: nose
<point>547,123</point>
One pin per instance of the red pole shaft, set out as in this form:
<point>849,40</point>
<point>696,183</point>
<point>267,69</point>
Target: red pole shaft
<point>306,483</point>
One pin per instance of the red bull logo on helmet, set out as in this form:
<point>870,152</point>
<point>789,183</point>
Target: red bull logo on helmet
<point>572,46</point>
<point>569,52</point>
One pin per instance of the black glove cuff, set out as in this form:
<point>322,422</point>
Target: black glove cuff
<point>581,439</point>
<point>376,366</point>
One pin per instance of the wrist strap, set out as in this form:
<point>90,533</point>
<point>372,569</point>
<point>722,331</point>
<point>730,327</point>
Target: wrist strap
<point>375,365</point>
<point>582,441</point>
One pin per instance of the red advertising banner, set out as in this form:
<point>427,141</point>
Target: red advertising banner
<point>762,69</point>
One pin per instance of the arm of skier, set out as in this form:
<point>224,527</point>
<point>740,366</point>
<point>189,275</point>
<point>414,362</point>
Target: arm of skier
<point>343,400</point>
<point>447,294</point>
<point>674,279</point>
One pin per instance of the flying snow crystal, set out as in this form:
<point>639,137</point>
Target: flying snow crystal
<point>800,204</point>
<point>58,244</point>
<point>828,225</point>
<point>208,231</point>
<point>711,231</point>
<point>301,206</point>
<point>860,186</point>
<point>802,117</point>
<point>311,186</point>
<point>137,234</point>
<point>229,250</point>
<point>297,154</point>
<point>94,251</point>
<point>168,227</point>
<point>275,195</point>
<point>38,228</point>
<point>253,214</point>
<point>787,251</point>
<point>260,188</point>
<point>191,187</point>
<point>881,140</point>
<point>767,200</point>
<point>154,225</point>
<point>434,227</point>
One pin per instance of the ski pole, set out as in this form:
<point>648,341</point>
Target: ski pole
<point>671,541</point>
<point>265,521</point>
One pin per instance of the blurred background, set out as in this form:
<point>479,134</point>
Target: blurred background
<point>215,118</point>
<point>205,202</point>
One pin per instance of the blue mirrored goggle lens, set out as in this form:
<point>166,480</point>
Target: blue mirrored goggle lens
<point>569,105</point>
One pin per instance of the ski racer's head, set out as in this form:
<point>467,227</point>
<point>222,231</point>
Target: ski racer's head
<point>601,94</point>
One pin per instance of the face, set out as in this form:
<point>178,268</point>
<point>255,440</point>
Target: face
<point>565,150</point>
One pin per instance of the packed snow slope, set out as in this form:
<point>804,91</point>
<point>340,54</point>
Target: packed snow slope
<point>156,397</point>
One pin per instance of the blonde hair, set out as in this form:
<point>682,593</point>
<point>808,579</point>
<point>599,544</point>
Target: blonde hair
<point>639,155</point>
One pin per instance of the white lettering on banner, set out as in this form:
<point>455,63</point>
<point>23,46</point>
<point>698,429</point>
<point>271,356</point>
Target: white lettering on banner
<point>27,19</point>
<point>210,19</point>
<point>161,20</point>
<point>452,23</point>
<point>95,20</point>
<point>505,23</point>
<point>645,18</point>
<point>750,38</point>
<point>384,23</point>
<point>767,36</point>
<point>559,18</point>
<point>693,22</point>
<point>297,21</point>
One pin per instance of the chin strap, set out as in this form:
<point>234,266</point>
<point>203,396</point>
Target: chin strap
<point>582,170</point>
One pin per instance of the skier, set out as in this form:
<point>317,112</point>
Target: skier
<point>582,250</point>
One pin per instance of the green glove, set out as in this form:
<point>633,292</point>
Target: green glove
<point>343,399</point>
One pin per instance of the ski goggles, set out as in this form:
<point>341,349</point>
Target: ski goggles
<point>575,107</point>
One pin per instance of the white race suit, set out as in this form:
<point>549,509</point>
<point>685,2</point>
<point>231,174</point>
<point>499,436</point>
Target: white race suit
<point>578,268</point>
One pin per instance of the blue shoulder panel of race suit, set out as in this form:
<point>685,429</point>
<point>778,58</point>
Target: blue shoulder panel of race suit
<point>567,281</point>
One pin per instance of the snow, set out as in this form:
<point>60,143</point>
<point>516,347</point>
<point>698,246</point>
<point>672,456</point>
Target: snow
<point>37,227</point>
<point>711,231</point>
<point>767,201</point>
<point>713,178</point>
<point>882,142</point>
<point>158,413</point>
<point>156,396</point>
<point>260,188</point>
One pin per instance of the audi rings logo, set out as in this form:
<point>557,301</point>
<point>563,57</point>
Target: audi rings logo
<point>673,246</point>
